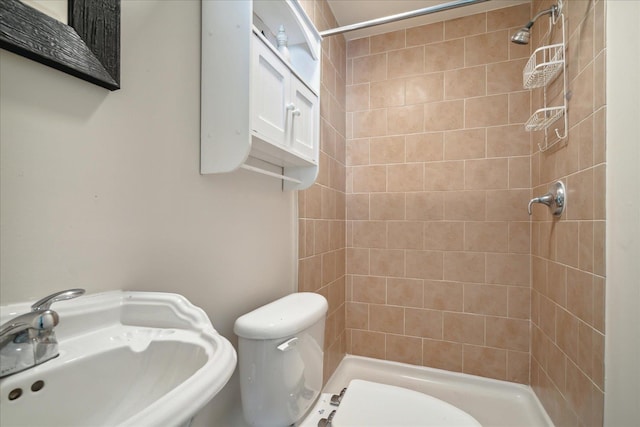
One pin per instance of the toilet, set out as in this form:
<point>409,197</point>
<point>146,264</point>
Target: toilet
<point>280,352</point>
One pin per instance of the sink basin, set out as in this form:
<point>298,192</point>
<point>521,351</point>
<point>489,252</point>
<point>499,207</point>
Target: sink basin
<point>126,359</point>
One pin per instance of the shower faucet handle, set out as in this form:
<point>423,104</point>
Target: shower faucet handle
<point>555,199</point>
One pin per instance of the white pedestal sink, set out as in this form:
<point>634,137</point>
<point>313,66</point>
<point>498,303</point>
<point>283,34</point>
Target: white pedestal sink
<point>126,359</point>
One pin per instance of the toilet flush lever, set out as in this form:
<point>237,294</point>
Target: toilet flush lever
<point>288,344</point>
<point>555,199</point>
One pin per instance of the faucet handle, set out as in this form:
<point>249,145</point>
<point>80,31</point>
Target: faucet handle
<point>45,303</point>
<point>531,202</point>
<point>40,320</point>
<point>555,199</point>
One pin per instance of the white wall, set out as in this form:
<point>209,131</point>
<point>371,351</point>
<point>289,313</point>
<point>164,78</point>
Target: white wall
<point>102,190</point>
<point>622,339</point>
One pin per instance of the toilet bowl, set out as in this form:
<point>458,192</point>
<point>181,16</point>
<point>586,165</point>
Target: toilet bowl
<point>280,352</point>
<point>367,403</point>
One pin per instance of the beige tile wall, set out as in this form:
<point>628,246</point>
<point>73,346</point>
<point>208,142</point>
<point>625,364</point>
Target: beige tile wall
<point>443,267</point>
<point>321,266</point>
<point>438,180</point>
<point>568,260</point>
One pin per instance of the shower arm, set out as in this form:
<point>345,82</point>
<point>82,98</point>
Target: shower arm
<point>553,11</point>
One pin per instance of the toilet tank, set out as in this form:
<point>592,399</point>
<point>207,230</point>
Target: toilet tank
<point>280,356</point>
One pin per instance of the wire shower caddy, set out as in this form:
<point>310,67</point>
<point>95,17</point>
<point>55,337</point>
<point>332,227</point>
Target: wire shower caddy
<point>543,66</point>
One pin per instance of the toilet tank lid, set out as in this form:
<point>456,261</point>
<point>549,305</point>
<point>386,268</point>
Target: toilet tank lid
<point>282,318</point>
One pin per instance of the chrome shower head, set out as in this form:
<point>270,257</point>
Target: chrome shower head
<point>523,34</point>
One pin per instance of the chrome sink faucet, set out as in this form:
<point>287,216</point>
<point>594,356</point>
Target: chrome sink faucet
<point>29,339</point>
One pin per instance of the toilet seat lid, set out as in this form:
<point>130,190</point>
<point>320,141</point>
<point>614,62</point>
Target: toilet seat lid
<point>367,403</point>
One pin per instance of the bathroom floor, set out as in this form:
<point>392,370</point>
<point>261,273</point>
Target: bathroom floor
<point>490,402</point>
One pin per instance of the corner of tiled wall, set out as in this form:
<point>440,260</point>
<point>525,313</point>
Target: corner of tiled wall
<point>568,260</point>
<point>321,208</point>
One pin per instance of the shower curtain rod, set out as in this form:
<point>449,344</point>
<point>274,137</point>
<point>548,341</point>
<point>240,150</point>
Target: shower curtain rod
<point>400,17</point>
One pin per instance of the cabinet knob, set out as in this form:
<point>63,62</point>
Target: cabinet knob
<point>292,107</point>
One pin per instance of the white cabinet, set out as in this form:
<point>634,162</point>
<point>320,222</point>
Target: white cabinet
<point>259,111</point>
<point>305,120</point>
<point>284,111</point>
<point>271,81</point>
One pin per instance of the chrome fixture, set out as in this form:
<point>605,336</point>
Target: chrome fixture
<point>399,17</point>
<point>523,34</point>
<point>335,401</point>
<point>45,303</point>
<point>337,398</point>
<point>29,339</point>
<point>326,422</point>
<point>555,199</point>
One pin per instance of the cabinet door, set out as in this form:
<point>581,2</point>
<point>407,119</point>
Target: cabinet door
<point>304,120</point>
<point>269,95</point>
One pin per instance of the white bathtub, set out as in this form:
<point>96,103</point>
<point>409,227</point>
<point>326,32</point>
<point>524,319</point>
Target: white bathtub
<point>491,402</point>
